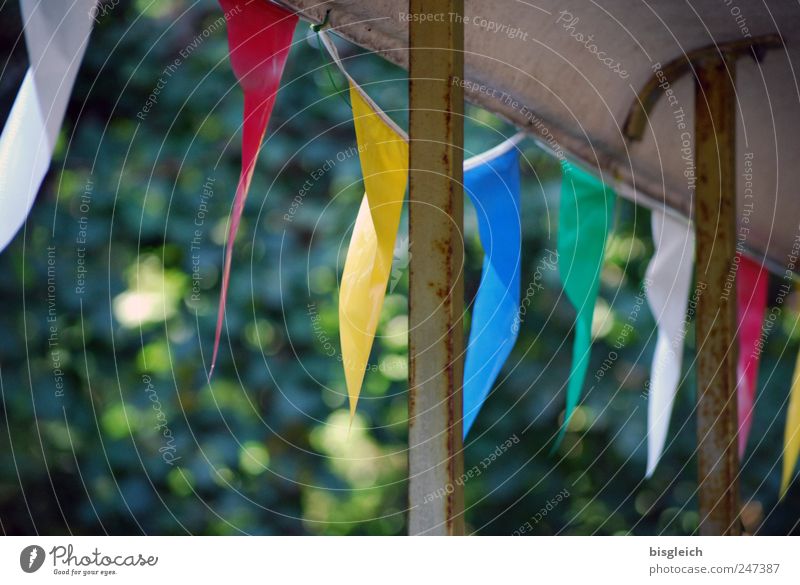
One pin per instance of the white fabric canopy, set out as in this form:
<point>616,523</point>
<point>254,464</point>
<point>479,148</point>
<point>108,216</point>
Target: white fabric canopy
<point>533,63</point>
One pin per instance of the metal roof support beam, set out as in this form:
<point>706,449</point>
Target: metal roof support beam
<point>715,274</point>
<point>436,248</point>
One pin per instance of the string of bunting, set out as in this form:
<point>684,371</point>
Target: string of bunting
<point>259,37</point>
<point>492,182</point>
<point>493,334</point>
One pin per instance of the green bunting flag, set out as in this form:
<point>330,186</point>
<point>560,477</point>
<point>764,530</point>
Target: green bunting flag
<point>585,215</point>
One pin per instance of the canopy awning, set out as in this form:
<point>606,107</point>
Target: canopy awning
<point>569,72</point>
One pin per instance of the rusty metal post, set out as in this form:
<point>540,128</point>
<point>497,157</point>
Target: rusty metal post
<point>436,289</point>
<point>715,222</point>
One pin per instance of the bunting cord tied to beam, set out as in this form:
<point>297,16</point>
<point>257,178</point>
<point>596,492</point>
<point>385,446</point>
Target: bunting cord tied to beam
<point>667,282</point>
<point>56,35</point>
<point>383,151</point>
<point>492,182</point>
<point>751,301</point>
<point>585,216</point>
<point>355,88</point>
<point>259,36</point>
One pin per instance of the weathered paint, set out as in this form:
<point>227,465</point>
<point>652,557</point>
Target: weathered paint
<point>436,290</point>
<point>715,223</point>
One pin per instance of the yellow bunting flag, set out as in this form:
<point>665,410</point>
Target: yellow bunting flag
<point>791,439</point>
<point>384,164</point>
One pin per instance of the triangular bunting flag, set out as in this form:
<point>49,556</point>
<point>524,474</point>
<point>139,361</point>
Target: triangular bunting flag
<point>383,151</point>
<point>492,182</point>
<point>751,299</point>
<point>384,165</point>
<point>56,34</point>
<point>259,35</point>
<point>791,435</point>
<point>669,276</point>
<point>585,216</point>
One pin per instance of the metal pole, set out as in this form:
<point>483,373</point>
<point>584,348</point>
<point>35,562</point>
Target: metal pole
<point>715,221</point>
<point>436,289</point>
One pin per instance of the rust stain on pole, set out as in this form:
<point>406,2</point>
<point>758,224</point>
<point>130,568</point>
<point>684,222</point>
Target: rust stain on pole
<point>715,222</point>
<point>436,289</point>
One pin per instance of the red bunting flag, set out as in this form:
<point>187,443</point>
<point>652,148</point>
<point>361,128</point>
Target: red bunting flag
<point>751,299</point>
<point>259,35</point>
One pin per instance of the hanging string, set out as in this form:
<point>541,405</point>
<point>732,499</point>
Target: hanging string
<point>325,64</point>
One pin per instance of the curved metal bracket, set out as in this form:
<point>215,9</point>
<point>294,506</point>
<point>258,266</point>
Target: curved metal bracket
<point>649,94</point>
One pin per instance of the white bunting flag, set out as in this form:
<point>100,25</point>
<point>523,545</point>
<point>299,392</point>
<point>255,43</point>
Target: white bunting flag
<point>669,277</point>
<point>56,34</point>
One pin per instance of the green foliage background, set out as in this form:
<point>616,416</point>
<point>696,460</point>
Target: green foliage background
<point>264,448</point>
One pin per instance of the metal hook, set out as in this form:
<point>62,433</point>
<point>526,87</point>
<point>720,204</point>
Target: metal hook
<point>318,27</point>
